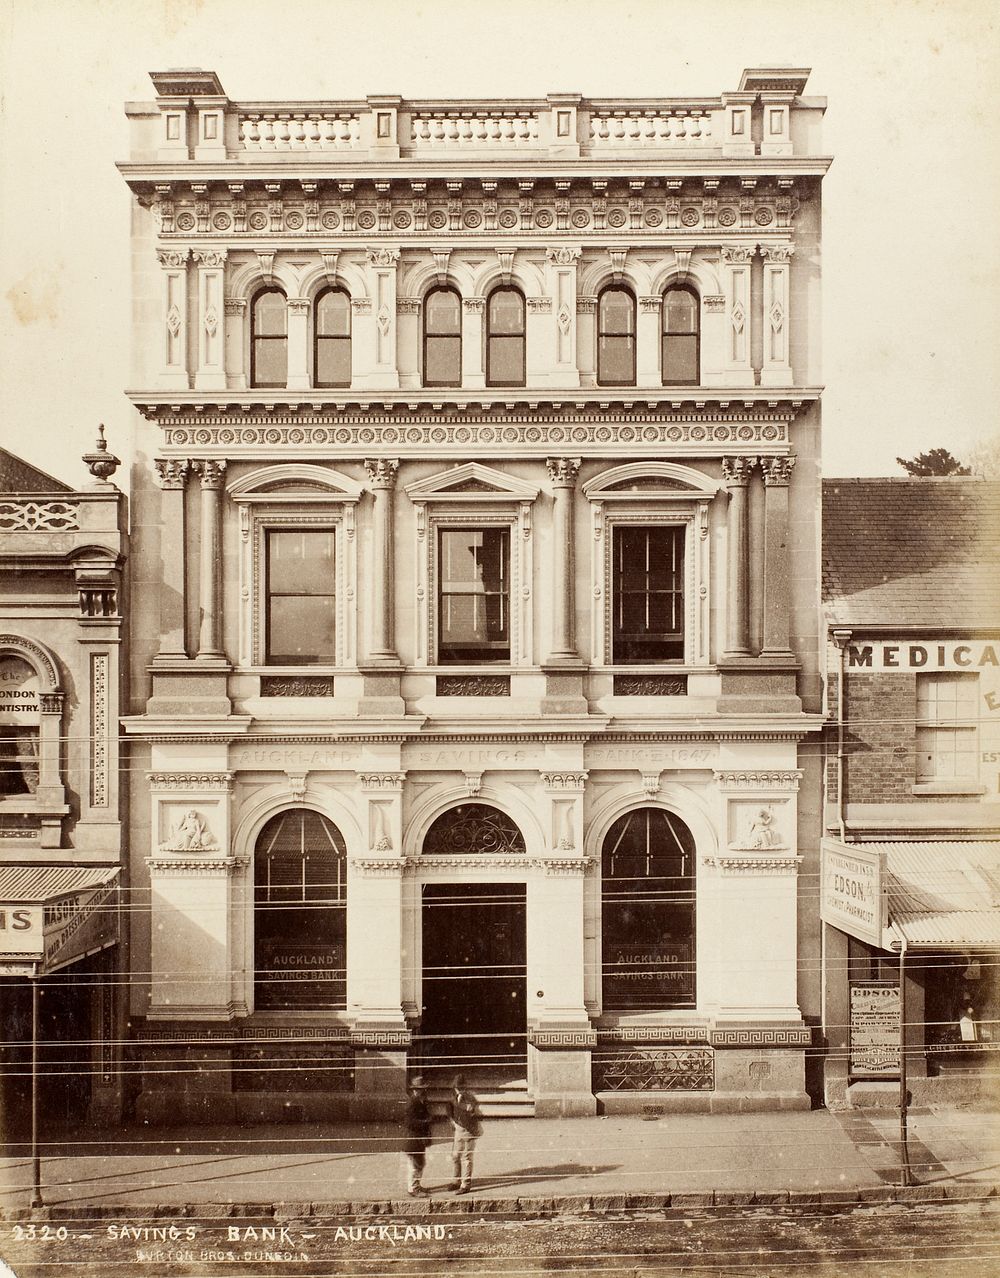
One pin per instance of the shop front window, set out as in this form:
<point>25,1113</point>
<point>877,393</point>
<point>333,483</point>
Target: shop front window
<point>961,1001</point>
<point>648,912</point>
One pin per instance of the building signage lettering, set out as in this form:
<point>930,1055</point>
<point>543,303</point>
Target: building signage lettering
<point>21,929</point>
<point>636,756</point>
<point>874,1029</point>
<point>851,896</point>
<point>18,691</point>
<point>445,758</point>
<point>927,655</point>
<point>294,758</point>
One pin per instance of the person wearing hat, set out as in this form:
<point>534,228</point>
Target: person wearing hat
<point>466,1121</point>
<point>417,1128</point>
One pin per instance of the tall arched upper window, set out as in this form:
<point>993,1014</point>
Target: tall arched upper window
<point>648,911</point>
<point>505,354</point>
<point>332,339</point>
<point>300,913</point>
<point>616,337</point>
<point>681,337</point>
<point>269,339</point>
<point>442,338</point>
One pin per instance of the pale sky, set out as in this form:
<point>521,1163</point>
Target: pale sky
<point>911,253</point>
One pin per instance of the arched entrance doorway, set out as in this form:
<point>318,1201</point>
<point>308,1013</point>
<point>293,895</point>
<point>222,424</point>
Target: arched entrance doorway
<point>648,912</point>
<point>473,1018</point>
<point>300,914</point>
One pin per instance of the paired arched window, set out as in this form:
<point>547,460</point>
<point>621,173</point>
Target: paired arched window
<point>648,911</point>
<point>681,337</point>
<point>332,339</point>
<point>442,338</point>
<point>269,339</point>
<point>616,337</point>
<point>300,913</point>
<point>505,345</point>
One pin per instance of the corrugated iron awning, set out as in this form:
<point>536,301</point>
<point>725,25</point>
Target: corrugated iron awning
<point>55,915</point>
<point>943,895</point>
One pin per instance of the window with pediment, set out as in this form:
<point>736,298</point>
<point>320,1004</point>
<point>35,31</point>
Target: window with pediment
<point>474,568</point>
<point>298,568</point>
<point>651,565</point>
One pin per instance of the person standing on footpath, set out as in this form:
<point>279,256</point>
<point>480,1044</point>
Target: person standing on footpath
<point>466,1121</point>
<point>417,1125</point>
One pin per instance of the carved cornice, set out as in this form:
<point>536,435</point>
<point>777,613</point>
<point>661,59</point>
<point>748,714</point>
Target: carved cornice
<point>190,865</point>
<point>758,779</point>
<point>380,866</point>
<point>753,863</point>
<point>564,780</point>
<point>382,780</point>
<point>191,781</point>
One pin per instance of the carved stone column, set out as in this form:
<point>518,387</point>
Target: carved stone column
<point>174,370</point>
<point>736,260</point>
<point>776,369</point>
<point>563,262</point>
<point>737,474</point>
<point>563,472</point>
<point>777,473</point>
<point>473,322</point>
<point>298,343</point>
<point>383,372</point>
<point>210,585</point>
<point>171,474</point>
<point>382,474</point>
<point>236,313</point>
<point>211,374</point>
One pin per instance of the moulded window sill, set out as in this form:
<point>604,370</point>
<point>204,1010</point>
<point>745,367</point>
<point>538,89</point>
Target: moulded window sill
<point>957,787</point>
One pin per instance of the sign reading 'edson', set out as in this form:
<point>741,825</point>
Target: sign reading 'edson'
<point>851,897</point>
<point>875,1013</point>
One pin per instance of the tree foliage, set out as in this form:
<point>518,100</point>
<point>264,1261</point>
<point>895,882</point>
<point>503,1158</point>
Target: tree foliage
<point>984,458</point>
<point>939,461</point>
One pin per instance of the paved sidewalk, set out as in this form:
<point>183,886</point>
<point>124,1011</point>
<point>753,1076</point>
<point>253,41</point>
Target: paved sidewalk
<point>612,1162</point>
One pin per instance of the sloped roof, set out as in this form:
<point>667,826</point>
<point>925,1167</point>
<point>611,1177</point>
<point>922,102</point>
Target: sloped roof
<point>19,476</point>
<point>912,552</point>
<point>943,894</point>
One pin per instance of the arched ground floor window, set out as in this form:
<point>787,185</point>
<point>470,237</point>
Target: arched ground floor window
<point>648,912</point>
<point>300,913</point>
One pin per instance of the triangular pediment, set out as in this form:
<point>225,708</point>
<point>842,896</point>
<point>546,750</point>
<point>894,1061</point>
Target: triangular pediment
<point>471,480</point>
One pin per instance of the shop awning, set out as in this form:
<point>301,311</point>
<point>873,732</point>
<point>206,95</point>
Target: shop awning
<point>54,915</point>
<point>941,896</point>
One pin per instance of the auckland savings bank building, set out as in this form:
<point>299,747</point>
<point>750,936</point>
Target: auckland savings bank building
<point>474,697</point>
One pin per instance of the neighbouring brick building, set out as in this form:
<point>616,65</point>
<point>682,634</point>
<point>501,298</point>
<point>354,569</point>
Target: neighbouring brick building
<point>910,573</point>
<point>475,691</point>
<point>62,553</point>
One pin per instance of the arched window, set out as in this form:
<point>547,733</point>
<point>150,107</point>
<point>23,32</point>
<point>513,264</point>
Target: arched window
<point>300,913</point>
<point>505,350</point>
<point>473,829</point>
<point>681,337</point>
<point>269,339</point>
<point>616,337</point>
<point>19,726</point>
<point>442,338</point>
<point>648,911</point>
<point>332,339</point>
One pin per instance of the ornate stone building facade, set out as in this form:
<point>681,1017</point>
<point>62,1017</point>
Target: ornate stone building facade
<point>476,672</point>
<point>62,553</point>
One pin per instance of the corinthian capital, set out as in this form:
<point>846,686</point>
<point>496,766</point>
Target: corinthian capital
<point>563,470</point>
<point>382,471</point>
<point>171,471</point>
<point>777,252</point>
<point>382,256</point>
<point>209,257</point>
<point>737,470</point>
<point>565,255</point>
<point>212,473</point>
<point>172,257</point>
<point>777,471</point>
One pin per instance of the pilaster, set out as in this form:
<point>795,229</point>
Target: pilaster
<point>298,343</point>
<point>473,343</point>
<point>776,369</point>
<point>647,342</point>
<point>777,473</point>
<point>736,265</point>
<point>737,475</point>
<point>563,263</point>
<point>236,342</point>
<point>381,266</point>
<point>171,474</point>
<point>174,371</point>
<point>211,374</point>
<point>210,572</point>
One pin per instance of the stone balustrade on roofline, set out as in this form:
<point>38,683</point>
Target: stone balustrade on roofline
<point>193,120</point>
